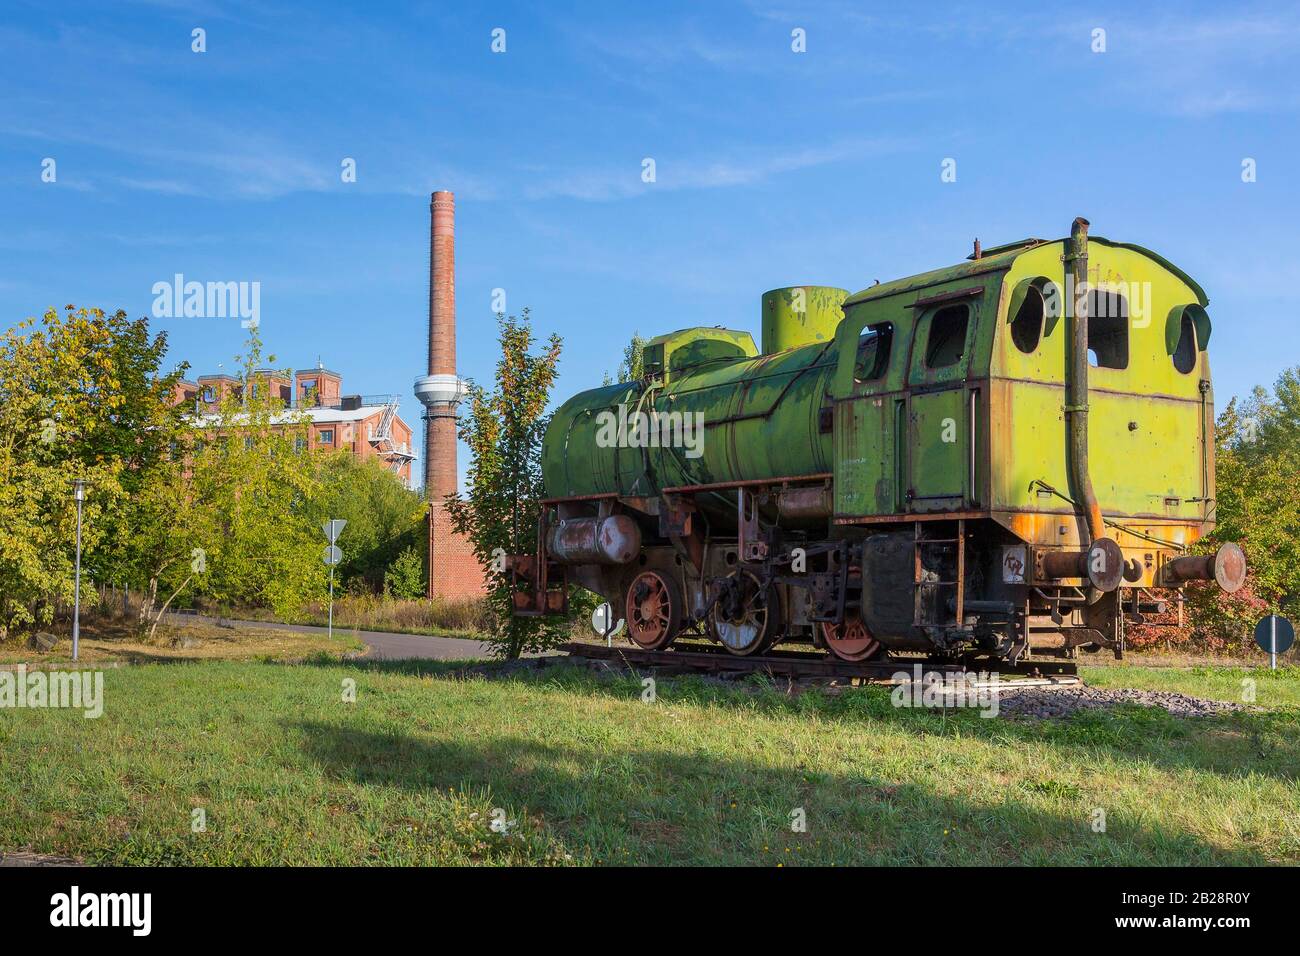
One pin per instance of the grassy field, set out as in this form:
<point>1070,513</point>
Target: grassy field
<point>584,771</point>
<point>109,641</point>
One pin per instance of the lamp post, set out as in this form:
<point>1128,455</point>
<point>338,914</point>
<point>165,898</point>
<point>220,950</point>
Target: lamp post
<point>79,496</point>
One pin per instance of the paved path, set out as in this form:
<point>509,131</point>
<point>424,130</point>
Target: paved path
<point>384,645</point>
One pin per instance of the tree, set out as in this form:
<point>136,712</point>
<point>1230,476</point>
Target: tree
<point>404,579</point>
<point>384,517</point>
<point>81,396</point>
<point>1258,506</point>
<point>500,513</point>
<point>244,530</point>
<point>632,368</point>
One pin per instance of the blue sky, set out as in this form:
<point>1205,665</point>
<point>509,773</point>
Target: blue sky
<point>772,167</point>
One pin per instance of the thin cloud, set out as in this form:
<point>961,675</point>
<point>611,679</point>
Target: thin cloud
<point>606,183</point>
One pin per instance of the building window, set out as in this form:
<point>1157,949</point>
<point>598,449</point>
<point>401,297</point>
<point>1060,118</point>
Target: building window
<point>873,352</point>
<point>1107,329</point>
<point>947,341</point>
<point>300,444</point>
<point>208,395</point>
<point>326,436</point>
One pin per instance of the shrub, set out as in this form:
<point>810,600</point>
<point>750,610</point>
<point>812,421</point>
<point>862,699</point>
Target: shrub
<point>404,578</point>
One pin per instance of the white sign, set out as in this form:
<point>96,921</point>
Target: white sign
<point>600,619</point>
<point>333,528</point>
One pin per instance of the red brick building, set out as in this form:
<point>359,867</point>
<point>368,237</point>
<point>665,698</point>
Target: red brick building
<point>368,426</point>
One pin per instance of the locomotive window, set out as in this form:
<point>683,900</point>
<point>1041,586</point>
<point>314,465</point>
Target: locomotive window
<point>874,346</point>
<point>1185,354</point>
<point>1027,326</point>
<point>947,339</point>
<point>1107,329</point>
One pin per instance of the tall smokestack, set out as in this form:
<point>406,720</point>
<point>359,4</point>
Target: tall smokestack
<point>441,390</point>
<point>454,571</point>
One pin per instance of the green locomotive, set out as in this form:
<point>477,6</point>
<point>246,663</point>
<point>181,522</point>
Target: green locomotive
<point>1007,456</point>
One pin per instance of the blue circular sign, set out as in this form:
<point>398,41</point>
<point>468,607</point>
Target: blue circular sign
<point>1264,632</point>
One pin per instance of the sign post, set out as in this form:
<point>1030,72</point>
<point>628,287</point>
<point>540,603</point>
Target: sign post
<point>332,556</point>
<point>604,624</point>
<point>1275,635</point>
<point>79,495</point>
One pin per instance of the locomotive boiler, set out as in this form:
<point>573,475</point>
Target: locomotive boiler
<point>1008,456</point>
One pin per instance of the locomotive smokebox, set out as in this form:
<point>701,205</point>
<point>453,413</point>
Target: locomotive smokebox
<point>612,540</point>
<point>799,315</point>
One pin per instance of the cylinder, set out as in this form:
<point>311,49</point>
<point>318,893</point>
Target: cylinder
<point>615,539</point>
<point>805,504</point>
<point>799,315</point>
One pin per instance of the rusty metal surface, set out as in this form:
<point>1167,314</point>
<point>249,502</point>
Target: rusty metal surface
<point>805,503</point>
<point>1226,567</point>
<point>953,296</point>
<point>747,483</point>
<point>1101,564</point>
<point>615,539</point>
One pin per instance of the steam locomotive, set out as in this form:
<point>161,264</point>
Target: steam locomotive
<point>1005,457</point>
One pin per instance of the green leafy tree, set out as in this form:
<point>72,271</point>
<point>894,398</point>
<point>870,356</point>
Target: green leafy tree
<point>82,395</point>
<point>245,526</point>
<point>384,517</point>
<point>632,368</point>
<point>404,578</point>
<point>1258,506</point>
<point>504,428</point>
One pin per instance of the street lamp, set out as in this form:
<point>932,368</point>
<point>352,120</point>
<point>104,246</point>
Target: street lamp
<point>79,496</point>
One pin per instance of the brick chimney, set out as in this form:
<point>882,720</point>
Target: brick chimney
<point>453,570</point>
<point>442,387</point>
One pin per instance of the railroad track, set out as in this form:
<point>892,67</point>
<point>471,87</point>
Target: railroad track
<point>808,665</point>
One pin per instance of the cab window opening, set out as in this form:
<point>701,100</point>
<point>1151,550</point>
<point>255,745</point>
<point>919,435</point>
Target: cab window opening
<point>1107,329</point>
<point>1027,325</point>
<point>874,346</point>
<point>1185,354</point>
<point>947,339</point>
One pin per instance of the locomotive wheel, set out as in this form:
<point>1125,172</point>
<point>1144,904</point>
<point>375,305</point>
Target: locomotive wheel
<point>850,641</point>
<point>749,623</point>
<point>654,610</point>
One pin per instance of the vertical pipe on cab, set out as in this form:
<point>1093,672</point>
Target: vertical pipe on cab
<point>1076,390</point>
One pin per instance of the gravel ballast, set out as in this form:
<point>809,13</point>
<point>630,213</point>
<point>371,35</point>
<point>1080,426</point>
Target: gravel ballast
<point>1062,701</point>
